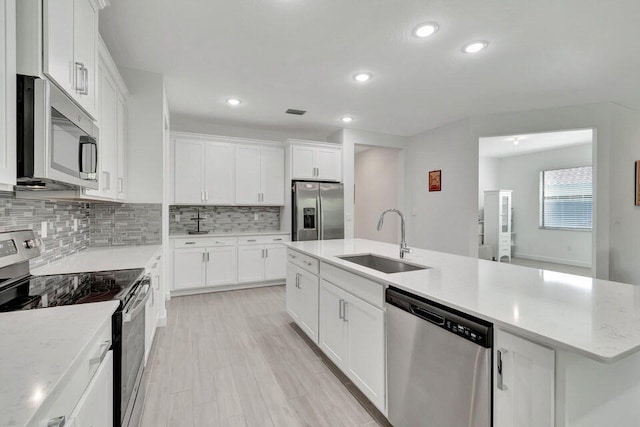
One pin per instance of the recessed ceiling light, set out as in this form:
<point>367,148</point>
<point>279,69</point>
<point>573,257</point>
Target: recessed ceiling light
<point>233,102</point>
<point>362,77</point>
<point>475,46</point>
<point>347,119</point>
<point>425,29</point>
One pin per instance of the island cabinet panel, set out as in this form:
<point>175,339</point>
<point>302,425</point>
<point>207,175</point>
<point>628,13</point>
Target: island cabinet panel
<point>302,299</point>
<point>95,408</point>
<point>524,383</point>
<point>352,336</point>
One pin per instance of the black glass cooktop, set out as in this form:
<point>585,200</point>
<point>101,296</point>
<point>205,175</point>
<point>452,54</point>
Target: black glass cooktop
<point>68,289</point>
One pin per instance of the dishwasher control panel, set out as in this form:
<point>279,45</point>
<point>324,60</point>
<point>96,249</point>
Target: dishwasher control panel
<point>463,325</point>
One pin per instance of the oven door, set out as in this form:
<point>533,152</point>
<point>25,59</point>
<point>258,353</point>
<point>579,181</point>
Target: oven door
<point>133,334</point>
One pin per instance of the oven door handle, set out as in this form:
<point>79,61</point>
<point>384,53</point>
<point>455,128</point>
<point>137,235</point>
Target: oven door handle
<point>138,306</point>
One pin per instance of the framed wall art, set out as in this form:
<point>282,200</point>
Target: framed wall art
<point>435,180</point>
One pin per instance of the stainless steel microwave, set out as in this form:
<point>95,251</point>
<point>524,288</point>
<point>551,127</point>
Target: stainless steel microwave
<point>57,142</point>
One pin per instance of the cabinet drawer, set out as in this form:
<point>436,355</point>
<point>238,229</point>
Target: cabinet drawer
<point>371,292</point>
<point>201,242</point>
<point>303,261</point>
<point>263,240</point>
<point>67,397</point>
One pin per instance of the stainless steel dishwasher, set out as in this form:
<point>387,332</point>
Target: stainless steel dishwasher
<point>438,364</point>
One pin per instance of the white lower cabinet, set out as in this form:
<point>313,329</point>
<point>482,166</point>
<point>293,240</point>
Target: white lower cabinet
<point>524,383</point>
<point>208,262</point>
<point>352,336</point>
<point>155,304</point>
<point>302,299</point>
<point>95,408</point>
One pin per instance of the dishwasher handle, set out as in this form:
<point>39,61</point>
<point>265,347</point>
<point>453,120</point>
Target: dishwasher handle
<point>427,315</point>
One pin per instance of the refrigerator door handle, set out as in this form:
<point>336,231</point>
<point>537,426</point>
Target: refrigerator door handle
<point>320,219</point>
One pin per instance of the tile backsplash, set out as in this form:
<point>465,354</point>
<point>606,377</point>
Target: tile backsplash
<point>224,219</point>
<point>96,224</point>
<point>125,224</point>
<point>62,239</point>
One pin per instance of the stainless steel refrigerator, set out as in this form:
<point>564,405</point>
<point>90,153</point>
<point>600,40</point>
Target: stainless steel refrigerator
<point>317,210</point>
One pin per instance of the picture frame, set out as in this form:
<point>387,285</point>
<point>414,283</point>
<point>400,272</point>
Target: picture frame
<point>638,183</point>
<point>435,180</point>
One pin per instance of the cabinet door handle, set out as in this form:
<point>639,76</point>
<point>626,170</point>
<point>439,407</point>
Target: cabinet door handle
<point>107,179</point>
<point>206,196</point>
<point>204,257</point>
<point>499,378</point>
<point>277,240</point>
<point>292,256</point>
<point>57,422</point>
<point>344,311</point>
<point>308,263</point>
<point>189,243</point>
<point>79,66</point>
<point>298,280</point>
<point>207,256</point>
<point>86,81</point>
<point>266,253</point>
<point>252,240</point>
<point>340,309</point>
<point>120,185</point>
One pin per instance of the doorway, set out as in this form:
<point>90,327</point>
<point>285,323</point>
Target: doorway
<point>377,188</point>
<point>548,222</point>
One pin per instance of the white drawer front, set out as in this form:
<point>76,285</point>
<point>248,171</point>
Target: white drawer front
<point>66,398</point>
<point>263,239</point>
<point>202,242</point>
<point>371,292</point>
<point>303,261</point>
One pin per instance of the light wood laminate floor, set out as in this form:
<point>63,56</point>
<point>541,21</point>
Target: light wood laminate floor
<point>235,359</point>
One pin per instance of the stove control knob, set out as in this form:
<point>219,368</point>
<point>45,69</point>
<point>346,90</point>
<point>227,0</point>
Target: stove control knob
<point>30,244</point>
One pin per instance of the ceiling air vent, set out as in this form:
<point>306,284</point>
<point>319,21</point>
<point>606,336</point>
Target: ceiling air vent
<point>295,112</point>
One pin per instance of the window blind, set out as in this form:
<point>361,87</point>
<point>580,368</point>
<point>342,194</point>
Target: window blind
<point>567,198</point>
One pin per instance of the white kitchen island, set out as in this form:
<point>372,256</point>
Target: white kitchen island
<point>569,344</point>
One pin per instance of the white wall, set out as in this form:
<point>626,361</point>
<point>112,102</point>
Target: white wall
<point>376,189</point>
<point>487,179</point>
<point>208,127</point>
<point>444,220</point>
<point>522,175</point>
<point>145,138</point>
<point>349,138</point>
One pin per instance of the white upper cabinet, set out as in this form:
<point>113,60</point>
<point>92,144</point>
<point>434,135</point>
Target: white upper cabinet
<point>204,172</point>
<point>189,172</point>
<point>218,173</point>
<point>248,176</point>
<point>7,95</point>
<point>111,115</point>
<point>69,46</point>
<point>315,161</point>
<point>260,175</point>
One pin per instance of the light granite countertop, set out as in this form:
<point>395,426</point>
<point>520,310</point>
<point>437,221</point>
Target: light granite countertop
<point>100,259</point>
<point>596,318</point>
<point>39,349</point>
<point>230,234</point>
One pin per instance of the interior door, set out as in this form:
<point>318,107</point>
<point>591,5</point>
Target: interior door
<point>222,266</point>
<point>189,172</point>
<point>189,268</point>
<point>219,174</point>
<point>248,176</point>
<point>272,176</point>
<point>333,329</point>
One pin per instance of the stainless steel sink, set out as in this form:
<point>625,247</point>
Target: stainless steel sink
<point>383,264</point>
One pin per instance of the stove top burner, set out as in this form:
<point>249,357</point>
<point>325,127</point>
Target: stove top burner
<point>68,289</point>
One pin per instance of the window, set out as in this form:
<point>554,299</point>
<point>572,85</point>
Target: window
<point>566,198</point>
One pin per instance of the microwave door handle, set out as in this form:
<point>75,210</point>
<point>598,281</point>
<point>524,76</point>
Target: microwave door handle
<point>88,162</point>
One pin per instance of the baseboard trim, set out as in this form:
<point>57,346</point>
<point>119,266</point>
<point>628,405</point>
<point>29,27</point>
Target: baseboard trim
<point>235,287</point>
<point>553,260</point>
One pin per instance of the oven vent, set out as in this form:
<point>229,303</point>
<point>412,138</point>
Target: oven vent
<point>295,112</point>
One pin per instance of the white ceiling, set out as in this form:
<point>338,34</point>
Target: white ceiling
<point>279,54</point>
<point>503,146</point>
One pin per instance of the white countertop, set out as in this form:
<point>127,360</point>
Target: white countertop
<point>100,259</point>
<point>596,318</point>
<point>39,348</point>
<point>230,234</point>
